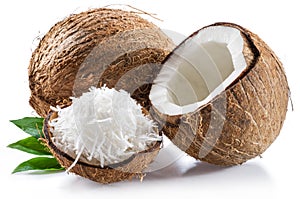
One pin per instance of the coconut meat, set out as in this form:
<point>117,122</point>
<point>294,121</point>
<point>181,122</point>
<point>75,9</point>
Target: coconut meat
<point>103,126</point>
<point>199,69</point>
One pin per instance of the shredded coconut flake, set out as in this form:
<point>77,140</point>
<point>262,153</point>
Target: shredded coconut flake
<point>103,125</point>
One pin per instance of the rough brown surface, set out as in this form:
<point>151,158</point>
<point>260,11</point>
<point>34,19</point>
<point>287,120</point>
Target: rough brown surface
<point>94,48</point>
<point>241,122</point>
<point>126,170</point>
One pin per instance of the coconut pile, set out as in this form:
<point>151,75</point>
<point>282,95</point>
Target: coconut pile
<point>109,84</point>
<point>94,127</point>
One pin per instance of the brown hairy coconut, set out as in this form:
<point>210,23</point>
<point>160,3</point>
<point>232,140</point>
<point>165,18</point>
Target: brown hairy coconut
<point>98,47</point>
<point>94,48</point>
<point>221,95</point>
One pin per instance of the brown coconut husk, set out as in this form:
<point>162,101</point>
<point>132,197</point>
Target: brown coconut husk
<point>255,103</point>
<point>126,170</point>
<point>94,48</point>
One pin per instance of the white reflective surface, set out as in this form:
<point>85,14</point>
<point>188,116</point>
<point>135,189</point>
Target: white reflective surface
<point>276,175</point>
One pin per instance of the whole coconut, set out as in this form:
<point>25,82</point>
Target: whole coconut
<point>95,48</point>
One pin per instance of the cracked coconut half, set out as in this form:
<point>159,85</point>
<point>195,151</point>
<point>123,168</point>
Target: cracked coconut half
<point>104,136</point>
<point>221,95</point>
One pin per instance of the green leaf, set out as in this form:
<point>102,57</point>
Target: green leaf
<point>31,145</point>
<point>31,125</point>
<point>39,163</point>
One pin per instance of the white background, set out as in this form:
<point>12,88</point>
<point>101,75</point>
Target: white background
<point>276,175</point>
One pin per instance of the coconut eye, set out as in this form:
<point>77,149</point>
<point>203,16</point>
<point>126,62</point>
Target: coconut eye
<point>215,95</point>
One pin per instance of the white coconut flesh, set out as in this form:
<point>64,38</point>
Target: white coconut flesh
<point>198,70</point>
<point>103,127</point>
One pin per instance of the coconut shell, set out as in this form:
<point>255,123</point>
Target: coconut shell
<point>242,121</point>
<point>126,170</point>
<point>94,48</point>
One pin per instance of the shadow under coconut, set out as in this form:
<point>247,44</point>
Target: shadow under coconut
<point>184,167</point>
<point>183,171</point>
<point>201,172</point>
<point>46,172</point>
